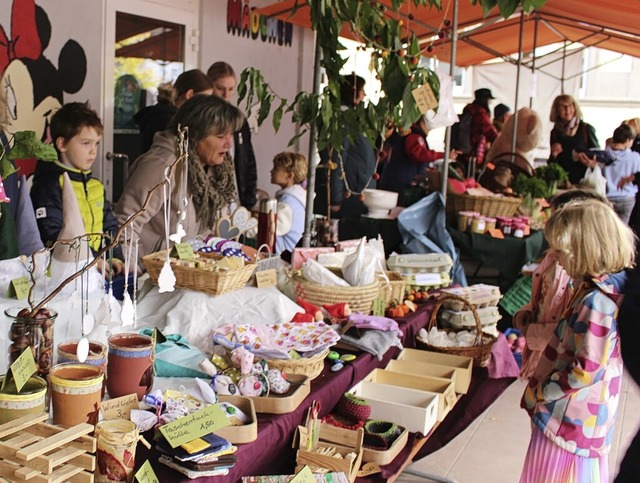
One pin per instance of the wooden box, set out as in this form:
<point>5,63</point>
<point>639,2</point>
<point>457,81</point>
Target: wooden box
<point>461,364</point>
<point>345,441</point>
<point>35,451</point>
<point>413,409</point>
<point>445,388</point>
<point>284,403</point>
<point>240,434</point>
<point>385,457</point>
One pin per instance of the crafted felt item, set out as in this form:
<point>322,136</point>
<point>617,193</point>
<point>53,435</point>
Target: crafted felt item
<point>26,225</point>
<point>242,358</point>
<point>224,385</point>
<point>72,227</point>
<point>353,407</point>
<point>277,381</point>
<point>310,308</point>
<point>338,311</point>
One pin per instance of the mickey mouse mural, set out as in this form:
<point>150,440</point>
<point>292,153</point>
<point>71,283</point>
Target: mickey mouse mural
<point>33,87</point>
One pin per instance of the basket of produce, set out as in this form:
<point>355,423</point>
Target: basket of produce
<point>492,206</point>
<point>359,298</point>
<point>481,348</point>
<point>213,275</point>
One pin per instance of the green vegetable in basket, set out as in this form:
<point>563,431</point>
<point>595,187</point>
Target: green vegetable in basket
<point>532,187</point>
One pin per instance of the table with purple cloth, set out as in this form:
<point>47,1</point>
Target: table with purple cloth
<point>272,453</point>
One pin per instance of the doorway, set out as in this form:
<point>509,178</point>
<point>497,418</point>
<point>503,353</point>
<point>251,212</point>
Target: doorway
<point>147,43</point>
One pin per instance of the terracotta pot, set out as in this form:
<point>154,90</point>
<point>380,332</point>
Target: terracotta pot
<point>130,365</point>
<point>30,400</point>
<point>116,454</point>
<point>97,353</point>
<point>76,392</point>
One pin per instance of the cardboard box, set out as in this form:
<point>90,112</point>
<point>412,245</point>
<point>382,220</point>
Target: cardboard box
<point>240,434</point>
<point>387,456</point>
<point>284,403</point>
<point>445,388</point>
<point>463,365</point>
<point>301,255</point>
<point>411,408</point>
<point>345,441</point>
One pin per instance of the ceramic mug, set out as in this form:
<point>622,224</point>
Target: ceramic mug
<point>130,365</point>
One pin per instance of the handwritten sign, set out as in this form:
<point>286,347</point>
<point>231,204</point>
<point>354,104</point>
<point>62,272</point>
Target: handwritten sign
<point>146,474</point>
<point>378,306</point>
<point>303,476</point>
<point>425,98</point>
<point>266,278</point>
<point>196,425</point>
<point>184,251</point>
<point>23,368</point>
<point>19,288</point>
<point>120,407</point>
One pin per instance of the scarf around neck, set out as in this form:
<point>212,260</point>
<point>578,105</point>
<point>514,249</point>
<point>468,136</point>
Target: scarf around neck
<point>567,128</point>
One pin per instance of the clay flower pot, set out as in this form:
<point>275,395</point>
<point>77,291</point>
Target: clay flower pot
<point>76,392</point>
<point>130,365</point>
<point>97,353</point>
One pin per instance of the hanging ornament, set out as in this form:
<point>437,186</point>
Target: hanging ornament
<point>183,149</point>
<point>127,305</point>
<point>166,279</point>
<point>82,349</point>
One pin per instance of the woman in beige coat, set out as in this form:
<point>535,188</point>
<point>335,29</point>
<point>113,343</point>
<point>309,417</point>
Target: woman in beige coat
<point>210,184</point>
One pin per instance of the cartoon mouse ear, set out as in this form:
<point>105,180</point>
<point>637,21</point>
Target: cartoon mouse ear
<point>72,67</point>
<point>44,27</point>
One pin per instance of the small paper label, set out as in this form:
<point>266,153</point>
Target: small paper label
<point>19,288</point>
<point>23,368</point>
<point>184,251</point>
<point>120,407</point>
<point>368,469</point>
<point>266,278</point>
<point>303,476</point>
<point>146,474</point>
<point>496,233</point>
<point>425,98</point>
<point>428,279</point>
<point>378,306</point>
<point>185,429</point>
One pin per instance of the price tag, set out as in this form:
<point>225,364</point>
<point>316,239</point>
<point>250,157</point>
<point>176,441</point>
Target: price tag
<point>303,476</point>
<point>266,278</point>
<point>378,306</point>
<point>425,98</point>
<point>23,368</point>
<point>369,469</point>
<point>184,251</point>
<point>428,279</point>
<point>146,474</point>
<point>120,407</point>
<point>20,287</point>
<point>195,425</point>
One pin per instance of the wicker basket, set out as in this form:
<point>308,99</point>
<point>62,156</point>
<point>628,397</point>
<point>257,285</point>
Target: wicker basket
<point>393,288</point>
<point>485,205</point>
<point>360,299</point>
<point>199,279</point>
<point>481,349</point>
<point>306,366</point>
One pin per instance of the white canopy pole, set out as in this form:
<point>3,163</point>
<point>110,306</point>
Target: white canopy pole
<point>447,137</point>
<point>515,108</point>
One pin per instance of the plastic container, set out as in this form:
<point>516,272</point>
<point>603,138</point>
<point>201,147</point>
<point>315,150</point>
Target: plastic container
<point>35,332</point>
<point>30,399</point>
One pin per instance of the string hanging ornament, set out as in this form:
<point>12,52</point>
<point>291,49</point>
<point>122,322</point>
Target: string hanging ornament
<point>166,279</point>
<point>87,321</point>
<point>127,314</point>
<point>183,150</point>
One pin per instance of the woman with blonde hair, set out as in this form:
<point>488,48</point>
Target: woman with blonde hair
<point>572,397</point>
<point>571,137</point>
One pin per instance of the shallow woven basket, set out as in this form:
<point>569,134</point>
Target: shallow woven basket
<point>485,205</point>
<point>360,299</point>
<point>306,366</point>
<point>393,289</point>
<point>199,279</point>
<point>480,351</point>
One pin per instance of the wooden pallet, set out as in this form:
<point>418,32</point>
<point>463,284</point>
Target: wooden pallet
<point>32,450</point>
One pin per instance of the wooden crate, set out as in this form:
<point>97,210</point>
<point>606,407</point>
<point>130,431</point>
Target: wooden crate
<point>31,450</point>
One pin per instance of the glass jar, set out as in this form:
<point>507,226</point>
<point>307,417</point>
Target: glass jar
<point>33,332</point>
<point>326,232</point>
<point>478,226</point>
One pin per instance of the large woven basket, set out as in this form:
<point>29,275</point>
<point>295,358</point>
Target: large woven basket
<point>199,279</point>
<point>480,351</point>
<point>485,205</point>
<point>391,287</point>
<point>360,299</point>
<point>306,366</point>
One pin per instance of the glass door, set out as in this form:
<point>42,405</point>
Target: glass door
<point>146,44</point>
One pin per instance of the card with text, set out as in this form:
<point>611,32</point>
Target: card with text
<point>146,474</point>
<point>120,407</point>
<point>204,421</point>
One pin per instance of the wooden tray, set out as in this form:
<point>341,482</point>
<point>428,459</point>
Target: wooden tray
<point>31,450</point>
<point>240,434</point>
<point>284,403</point>
<point>387,456</point>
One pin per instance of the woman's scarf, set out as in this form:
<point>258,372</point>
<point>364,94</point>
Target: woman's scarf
<point>567,128</point>
<point>212,188</point>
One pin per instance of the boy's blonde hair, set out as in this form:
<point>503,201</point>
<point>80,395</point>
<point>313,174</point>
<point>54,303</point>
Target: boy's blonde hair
<point>591,237</point>
<point>293,163</point>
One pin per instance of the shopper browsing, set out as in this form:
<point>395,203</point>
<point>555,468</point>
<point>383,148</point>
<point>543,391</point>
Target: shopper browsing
<point>289,171</point>
<point>573,396</point>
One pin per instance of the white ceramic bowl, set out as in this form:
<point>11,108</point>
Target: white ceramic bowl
<point>379,202</point>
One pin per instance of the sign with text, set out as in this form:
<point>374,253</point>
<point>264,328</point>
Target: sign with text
<point>184,251</point>
<point>378,306</point>
<point>19,288</point>
<point>425,98</point>
<point>204,421</point>
<point>120,407</point>
<point>23,368</point>
<point>146,474</point>
<point>266,278</point>
<point>303,476</point>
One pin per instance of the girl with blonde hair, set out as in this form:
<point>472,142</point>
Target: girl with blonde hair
<point>573,395</point>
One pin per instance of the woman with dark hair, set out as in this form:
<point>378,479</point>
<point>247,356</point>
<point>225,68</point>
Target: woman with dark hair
<point>224,82</point>
<point>571,137</point>
<point>190,83</point>
<point>210,184</point>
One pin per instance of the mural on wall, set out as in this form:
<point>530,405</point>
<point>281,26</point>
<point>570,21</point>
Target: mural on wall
<point>244,21</point>
<point>32,86</point>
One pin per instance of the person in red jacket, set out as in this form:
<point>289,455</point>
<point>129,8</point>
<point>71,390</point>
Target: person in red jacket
<point>483,132</point>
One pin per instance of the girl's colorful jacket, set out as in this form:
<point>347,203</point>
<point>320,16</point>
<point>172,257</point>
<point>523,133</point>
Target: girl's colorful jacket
<point>573,395</point>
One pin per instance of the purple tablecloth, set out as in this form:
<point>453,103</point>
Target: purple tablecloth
<point>272,452</point>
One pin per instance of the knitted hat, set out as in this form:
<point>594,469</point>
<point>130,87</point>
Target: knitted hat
<point>72,226</point>
<point>26,224</point>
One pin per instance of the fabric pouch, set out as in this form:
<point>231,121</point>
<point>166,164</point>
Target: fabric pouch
<point>175,357</point>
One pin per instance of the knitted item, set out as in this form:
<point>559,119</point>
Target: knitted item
<point>341,422</point>
<point>353,407</point>
<point>375,430</point>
